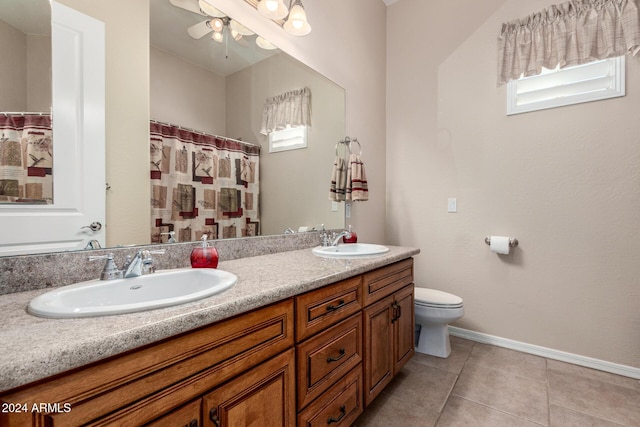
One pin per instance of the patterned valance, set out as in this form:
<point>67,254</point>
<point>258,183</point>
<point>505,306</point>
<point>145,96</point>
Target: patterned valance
<point>289,109</point>
<point>571,33</point>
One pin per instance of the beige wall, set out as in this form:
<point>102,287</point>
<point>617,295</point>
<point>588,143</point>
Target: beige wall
<point>13,85</point>
<point>564,181</point>
<point>294,185</point>
<point>25,69</point>
<point>127,115</point>
<point>185,94</point>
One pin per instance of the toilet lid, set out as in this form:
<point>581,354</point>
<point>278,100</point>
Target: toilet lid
<point>432,297</point>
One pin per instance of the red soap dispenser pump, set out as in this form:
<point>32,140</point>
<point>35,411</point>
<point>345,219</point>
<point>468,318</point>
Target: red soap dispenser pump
<point>352,239</point>
<point>205,256</point>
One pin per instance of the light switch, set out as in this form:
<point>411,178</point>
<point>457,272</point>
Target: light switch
<point>334,206</point>
<point>452,205</point>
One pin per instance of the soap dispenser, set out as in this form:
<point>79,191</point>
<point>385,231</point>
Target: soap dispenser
<point>204,256</point>
<point>352,239</point>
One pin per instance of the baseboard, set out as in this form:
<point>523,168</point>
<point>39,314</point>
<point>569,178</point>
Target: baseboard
<point>602,365</point>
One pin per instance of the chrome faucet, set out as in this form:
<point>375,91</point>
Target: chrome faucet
<point>140,264</point>
<point>339,236</point>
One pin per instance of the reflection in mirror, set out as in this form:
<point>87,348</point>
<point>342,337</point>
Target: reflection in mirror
<point>225,97</point>
<point>26,153</point>
<point>220,88</point>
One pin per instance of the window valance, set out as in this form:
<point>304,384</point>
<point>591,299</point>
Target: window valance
<point>571,33</point>
<point>289,109</point>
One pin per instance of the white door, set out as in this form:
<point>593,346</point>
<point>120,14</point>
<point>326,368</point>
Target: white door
<point>78,66</point>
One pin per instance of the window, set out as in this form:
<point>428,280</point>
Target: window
<point>288,139</point>
<point>572,85</point>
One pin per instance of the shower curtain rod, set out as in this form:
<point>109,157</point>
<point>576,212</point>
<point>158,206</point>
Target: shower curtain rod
<point>205,133</point>
<point>25,113</point>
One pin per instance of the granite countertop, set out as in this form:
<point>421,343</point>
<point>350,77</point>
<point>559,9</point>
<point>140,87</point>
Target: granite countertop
<point>34,348</point>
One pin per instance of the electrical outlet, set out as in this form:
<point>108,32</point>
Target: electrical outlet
<point>452,205</point>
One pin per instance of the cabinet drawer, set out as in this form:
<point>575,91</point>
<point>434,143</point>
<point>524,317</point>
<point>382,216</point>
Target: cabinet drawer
<point>386,280</point>
<point>319,309</point>
<point>186,416</point>
<point>328,356</point>
<point>136,387</point>
<point>340,405</point>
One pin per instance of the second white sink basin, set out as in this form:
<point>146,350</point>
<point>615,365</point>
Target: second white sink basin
<point>106,297</point>
<point>350,250</point>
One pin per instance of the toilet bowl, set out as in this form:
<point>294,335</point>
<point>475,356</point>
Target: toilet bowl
<point>433,312</point>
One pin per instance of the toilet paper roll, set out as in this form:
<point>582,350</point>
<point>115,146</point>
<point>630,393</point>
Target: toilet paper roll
<point>500,244</point>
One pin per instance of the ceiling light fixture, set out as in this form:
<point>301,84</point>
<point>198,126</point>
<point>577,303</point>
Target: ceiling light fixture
<point>296,23</point>
<point>273,9</point>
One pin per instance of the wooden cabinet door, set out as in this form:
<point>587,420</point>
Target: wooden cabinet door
<point>378,348</point>
<point>263,396</point>
<point>403,327</point>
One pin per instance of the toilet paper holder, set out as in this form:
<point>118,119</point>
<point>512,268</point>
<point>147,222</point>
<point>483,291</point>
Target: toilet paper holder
<point>513,242</point>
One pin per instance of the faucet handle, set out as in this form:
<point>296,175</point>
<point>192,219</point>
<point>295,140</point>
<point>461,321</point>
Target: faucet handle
<point>147,261</point>
<point>110,270</point>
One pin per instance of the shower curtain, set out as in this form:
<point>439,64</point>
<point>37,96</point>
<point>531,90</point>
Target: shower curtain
<point>26,158</point>
<point>202,184</point>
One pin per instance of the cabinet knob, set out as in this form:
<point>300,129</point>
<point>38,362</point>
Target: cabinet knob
<point>193,423</point>
<point>343,412</point>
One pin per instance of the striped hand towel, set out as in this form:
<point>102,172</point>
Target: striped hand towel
<point>357,187</point>
<point>338,180</point>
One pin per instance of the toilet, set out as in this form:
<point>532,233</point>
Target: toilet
<point>434,310</point>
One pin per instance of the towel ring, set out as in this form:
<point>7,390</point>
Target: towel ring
<point>347,143</point>
<point>359,146</point>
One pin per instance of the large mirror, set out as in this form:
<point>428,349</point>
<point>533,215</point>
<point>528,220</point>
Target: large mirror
<point>224,93</point>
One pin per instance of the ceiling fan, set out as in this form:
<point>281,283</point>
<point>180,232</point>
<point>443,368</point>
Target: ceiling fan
<point>216,22</point>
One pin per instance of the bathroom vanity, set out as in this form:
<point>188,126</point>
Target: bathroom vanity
<point>312,343</point>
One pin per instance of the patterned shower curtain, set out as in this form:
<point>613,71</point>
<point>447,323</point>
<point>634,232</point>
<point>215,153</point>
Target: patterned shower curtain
<point>26,158</point>
<point>202,184</point>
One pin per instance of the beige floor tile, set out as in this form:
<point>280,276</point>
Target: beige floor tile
<point>422,386</point>
<point>563,417</point>
<point>460,350</point>
<point>593,374</point>
<point>461,413</point>
<point>514,362</point>
<point>596,398</point>
<point>387,411</point>
<point>506,392</point>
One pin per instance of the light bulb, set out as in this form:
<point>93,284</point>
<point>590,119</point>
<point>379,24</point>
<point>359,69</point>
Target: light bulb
<point>217,36</point>
<point>217,24</point>
<point>297,24</point>
<point>273,9</point>
<point>272,5</point>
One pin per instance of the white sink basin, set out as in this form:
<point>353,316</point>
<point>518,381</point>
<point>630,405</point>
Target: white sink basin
<point>105,297</point>
<point>351,250</point>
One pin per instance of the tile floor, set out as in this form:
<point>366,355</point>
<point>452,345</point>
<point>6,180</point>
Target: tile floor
<point>482,385</point>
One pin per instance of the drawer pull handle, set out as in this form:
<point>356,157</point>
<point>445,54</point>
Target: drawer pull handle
<point>335,359</point>
<point>395,313</point>
<point>213,416</point>
<point>331,307</point>
<point>343,412</point>
<point>193,423</point>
